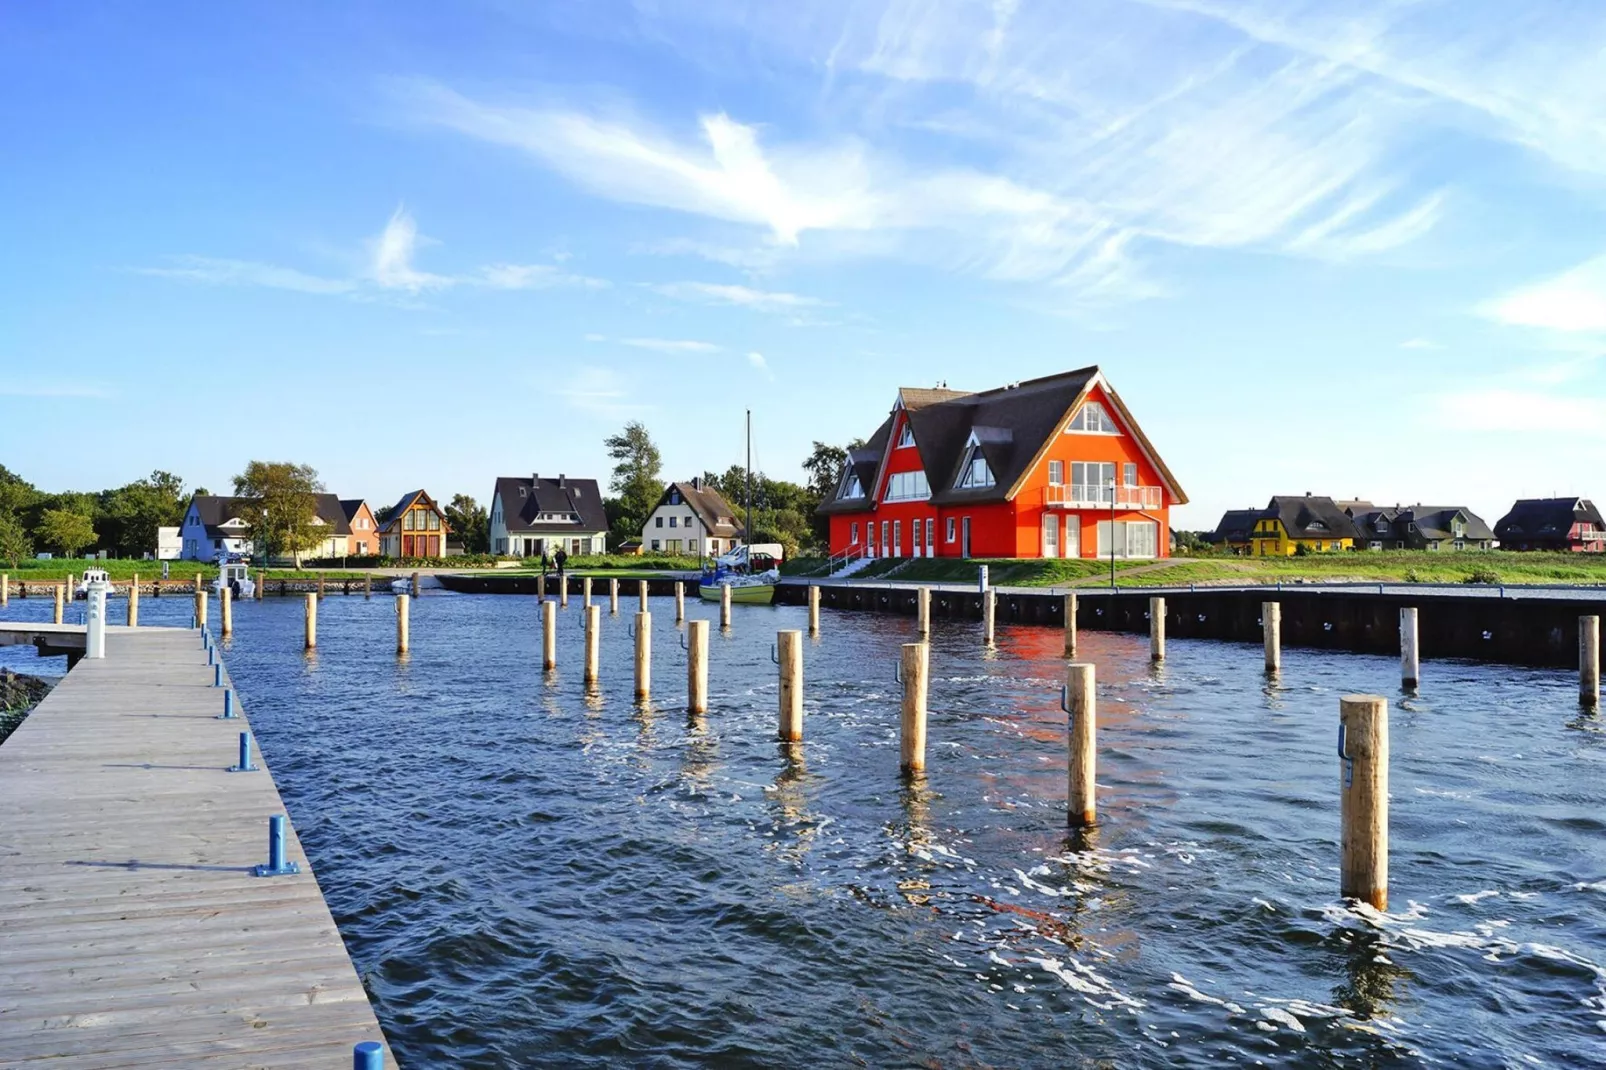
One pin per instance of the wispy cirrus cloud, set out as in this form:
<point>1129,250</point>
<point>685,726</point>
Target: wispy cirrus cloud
<point>671,345</point>
<point>601,392</point>
<point>37,389</point>
<point>713,293</point>
<point>1573,301</point>
<point>216,271</point>
<point>756,359</point>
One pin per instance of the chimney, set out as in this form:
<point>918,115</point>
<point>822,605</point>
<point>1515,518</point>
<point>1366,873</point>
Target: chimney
<point>561,484</point>
<point>696,482</point>
<point>535,480</point>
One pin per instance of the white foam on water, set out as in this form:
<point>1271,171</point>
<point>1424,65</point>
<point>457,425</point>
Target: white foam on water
<point>1473,897</point>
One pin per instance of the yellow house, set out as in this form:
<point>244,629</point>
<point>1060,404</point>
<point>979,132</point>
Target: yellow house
<point>1289,522</point>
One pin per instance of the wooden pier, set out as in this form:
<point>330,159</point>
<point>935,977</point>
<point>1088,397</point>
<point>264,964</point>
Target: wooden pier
<point>135,933</point>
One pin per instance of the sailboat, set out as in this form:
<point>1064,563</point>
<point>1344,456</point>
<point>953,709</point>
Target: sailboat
<point>750,571</point>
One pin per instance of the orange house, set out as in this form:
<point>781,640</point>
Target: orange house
<point>1051,467</point>
<point>364,540</point>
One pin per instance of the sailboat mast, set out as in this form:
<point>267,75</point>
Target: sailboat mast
<point>749,478</point>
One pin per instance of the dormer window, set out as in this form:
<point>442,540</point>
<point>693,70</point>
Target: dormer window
<point>973,472</point>
<point>906,437</point>
<point>851,487</point>
<point>1092,419</point>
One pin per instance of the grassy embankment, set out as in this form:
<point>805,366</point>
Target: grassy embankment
<point>618,566</point>
<point>1360,566</point>
<point>34,571</point>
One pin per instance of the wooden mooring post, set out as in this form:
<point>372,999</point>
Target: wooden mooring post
<point>593,645</point>
<point>697,666</point>
<point>1070,624</point>
<point>989,612</point>
<point>1271,627</point>
<point>320,588</point>
<point>367,584</point>
<point>1410,658</point>
<point>5,590</point>
<point>133,602</point>
<point>725,605</point>
<point>680,601</point>
<point>311,614</point>
<point>417,589</point>
<point>585,592</point>
<point>1589,661</point>
<point>923,612</point>
<point>225,609</point>
<point>814,609</point>
<point>789,655</point>
<point>641,595</point>
<point>1080,705</point>
<point>200,608</point>
<point>404,605</point>
<point>643,655</point>
<point>563,591</point>
<point>613,594</point>
<point>1157,629</point>
<point>549,636</point>
<point>540,587</point>
<point>1363,753</point>
<point>60,602</point>
<point>914,667</point>
<point>260,587</point>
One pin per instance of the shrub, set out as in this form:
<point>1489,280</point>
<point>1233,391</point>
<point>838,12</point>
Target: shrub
<point>1482,575</point>
<point>1413,576</point>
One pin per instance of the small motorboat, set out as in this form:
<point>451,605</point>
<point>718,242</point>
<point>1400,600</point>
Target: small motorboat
<point>234,574</point>
<point>751,573</point>
<point>91,575</point>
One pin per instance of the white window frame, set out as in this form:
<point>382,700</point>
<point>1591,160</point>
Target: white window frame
<point>1056,473</point>
<point>907,487</point>
<point>951,531</point>
<point>906,437</point>
<point>968,472</point>
<point>851,487</point>
<point>1092,412</point>
<point>853,533</point>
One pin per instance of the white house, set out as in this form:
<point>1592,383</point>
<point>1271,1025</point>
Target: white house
<point>692,519</point>
<point>216,524</point>
<point>533,516</point>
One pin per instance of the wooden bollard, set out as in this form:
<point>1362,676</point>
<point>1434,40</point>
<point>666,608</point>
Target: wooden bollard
<point>697,666</point>
<point>1081,709</point>
<point>416,590</point>
<point>197,581</point>
<point>404,609</point>
<point>989,613</point>
<point>540,587</point>
<point>1070,624</point>
<point>585,591</point>
<point>200,608</point>
<point>641,595</point>
<point>312,621</point>
<point>923,612</point>
<point>680,601</point>
<point>1157,629</point>
<point>1589,660</point>
<point>563,591</point>
<point>789,652</point>
<point>260,588</point>
<point>593,645</point>
<point>1271,624</point>
<point>814,609</point>
<point>643,655</point>
<point>549,636</point>
<point>367,584</point>
<point>225,608</point>
<point>72,586</point>
<point>916,660</point>
<point>61,590</point>
<point>133,602</point>
<point>1363,749</point>
<point>725,605</point>
<point>5,589</point>
<point>613,595</point>
<point>320,588</point>
<point>1410,659</point>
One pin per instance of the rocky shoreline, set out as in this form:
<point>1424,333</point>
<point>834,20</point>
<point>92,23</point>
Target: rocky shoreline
<point>19,694</point>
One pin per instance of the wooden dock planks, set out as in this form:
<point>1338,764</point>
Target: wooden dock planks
<point>133,933</point>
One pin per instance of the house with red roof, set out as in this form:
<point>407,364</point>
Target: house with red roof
<point>1050,467</point>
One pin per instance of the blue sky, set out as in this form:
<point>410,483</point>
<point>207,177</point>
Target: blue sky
<point>1353,248</point>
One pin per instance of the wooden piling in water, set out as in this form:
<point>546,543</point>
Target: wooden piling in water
<point>404,608</point>
<point>1157,629</point>
<point>585,592</point>
<point>1410,660</point>
<point>367,584</point>
<point>1271,626</point>
<point>680,601</point>
<point>60,602</point>
<point>259,589</point>
<point>923,612</point>
<point>200,608</point>
<point>593,645</point>
<point>989,612</point>
<point>641,595</point>
<point>916,661</point>
<point>789,651</point>
<point>725,605</point>
<point>563,591</point>
<point>1070,624</point>
<point>540,587</point>
<point>5,590</point>
<point>311,614</point>
<point>133,602</point>
<point>225,608</point>
<point>697,666</point>
<point>1364,792</point>
<point>1589,661</point>
<point>1081,710</point>
<point>549,636</point>
<point>320,588</point>
<point>643,655</point>
<point>613,594</point>
<point>814,609</point>
<point>417,590</point>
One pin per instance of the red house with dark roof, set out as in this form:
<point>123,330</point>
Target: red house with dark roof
<point>1051,467</point>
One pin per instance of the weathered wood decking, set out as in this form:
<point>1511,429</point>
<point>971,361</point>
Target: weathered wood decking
<point>132,932</point>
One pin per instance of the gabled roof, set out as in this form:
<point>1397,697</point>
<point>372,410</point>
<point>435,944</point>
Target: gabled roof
<point>864,462</point>
<point>351,507</point>
<point>1546,518</point>
<point>525,499</point>
<point>214,510</point>
<point>709,505</point>
<point>1311,517</point>
<point>408,500</point>
<point>1433,521</point>
<point>1235,525</point>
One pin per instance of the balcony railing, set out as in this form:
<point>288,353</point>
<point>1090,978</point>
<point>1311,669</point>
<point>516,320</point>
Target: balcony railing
<point>1096,496</point>
<point>1591,534</point>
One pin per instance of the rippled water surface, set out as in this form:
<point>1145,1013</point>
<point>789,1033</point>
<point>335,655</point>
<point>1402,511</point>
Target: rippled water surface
<point>528,875</point>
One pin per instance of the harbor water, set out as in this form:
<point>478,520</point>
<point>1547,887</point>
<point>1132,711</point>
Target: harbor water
<point>530,874</point>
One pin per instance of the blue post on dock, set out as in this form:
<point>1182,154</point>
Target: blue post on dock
<point>217,675</point>
<point>369,1055</point>
<point>245,765</point>
<point>228,705</point>
<point>276,866</point>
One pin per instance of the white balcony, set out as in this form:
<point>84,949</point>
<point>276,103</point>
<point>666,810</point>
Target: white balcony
<point>1095,496</point>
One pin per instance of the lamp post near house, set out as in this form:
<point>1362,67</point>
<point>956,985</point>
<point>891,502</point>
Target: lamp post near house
<point>1112,530</point>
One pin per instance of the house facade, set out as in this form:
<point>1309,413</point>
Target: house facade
<point>416,527</point>
<point>364,538</point>
<point>1051,467</point>
<point>691,518</point>
<point>1433,528</point>
<point>216,523</point>
<point>1573,525</point>
<point>1290,522</point>
<point>1234,530</point>
<point>534,516</point>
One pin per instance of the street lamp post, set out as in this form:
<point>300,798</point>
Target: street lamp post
<point>1112,531</point>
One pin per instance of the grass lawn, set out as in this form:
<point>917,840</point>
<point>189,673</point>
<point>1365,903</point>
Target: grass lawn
<point>33,571</point>
<point>1022,572</point>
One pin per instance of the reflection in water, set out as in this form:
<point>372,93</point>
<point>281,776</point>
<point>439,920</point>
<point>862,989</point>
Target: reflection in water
<point>1369,991</point>
<point>789,798</point>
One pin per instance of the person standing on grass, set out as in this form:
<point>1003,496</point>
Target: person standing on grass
<point>546,563</point>
<point>561,559</point>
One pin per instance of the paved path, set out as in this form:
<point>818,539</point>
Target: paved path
<point>133,933</point>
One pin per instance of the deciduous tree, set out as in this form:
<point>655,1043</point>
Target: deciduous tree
<point>14,545</point>
<point>281,500</point>
<point>66,531</point>
<point>637,476</point>
<point>471,522</point>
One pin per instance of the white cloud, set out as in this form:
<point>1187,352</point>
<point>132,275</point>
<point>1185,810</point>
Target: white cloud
<point>531,277</point>
<point>757,360</point>
<point>221,272</point>
<point>600,392</point>
<point>393,257</point>
<point>742,296</point>
<point>671,345</point>
<point>1499,409</point>
<point>1420,343</point>
<point>1573,301</point>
